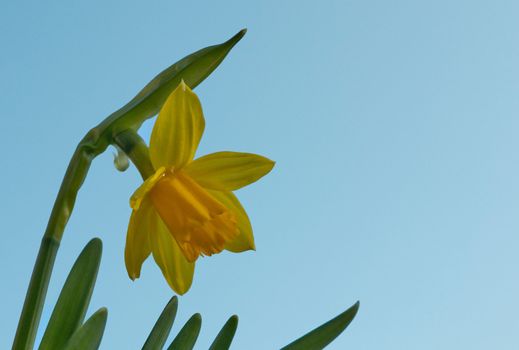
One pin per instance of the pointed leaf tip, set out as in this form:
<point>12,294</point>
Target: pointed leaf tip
<point>224,338</point>
<point>237,37</point>
<point>96,244</point>
<point>193,68</point>
<point>186,338</point>
<point>326,333</point>
<point>356,306</point>
<point>160,332</point>
<point>242,32</point>
<point>70,309</point>
<point>90,334</point>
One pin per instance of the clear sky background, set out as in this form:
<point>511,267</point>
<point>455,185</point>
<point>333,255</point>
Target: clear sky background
<point>394,125</point>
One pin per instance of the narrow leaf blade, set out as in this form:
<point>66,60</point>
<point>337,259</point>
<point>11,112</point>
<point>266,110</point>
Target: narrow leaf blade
<point>89,335</point>
<point>159,333</point>
<point>224,338</point>
<point>70,309</point>
<point>186,338</point>
<point>325,334</point>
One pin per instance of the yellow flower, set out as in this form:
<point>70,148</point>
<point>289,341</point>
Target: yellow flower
<point>187,208</point>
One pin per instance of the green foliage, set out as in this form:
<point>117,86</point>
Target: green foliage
<point>66,331</point>
<point>186,338</point>
<point>325,334</point>
<point>89,335</point>
<point>70,309</point>
<point>159,333</point>
<point>224,338</point>
<point>317,339</point>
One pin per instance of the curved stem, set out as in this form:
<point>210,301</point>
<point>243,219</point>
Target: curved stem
<point>91,146</point>
<point>75,175</point>
<point>136,149</point>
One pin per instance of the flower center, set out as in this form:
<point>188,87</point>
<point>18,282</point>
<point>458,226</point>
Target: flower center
<point>200,224</point>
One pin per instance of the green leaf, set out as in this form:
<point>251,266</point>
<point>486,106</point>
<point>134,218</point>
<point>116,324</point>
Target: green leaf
<point>186,338</point>
<point>325,334</point>
<point>224,338</point>
<point>89,335</point>
<point>72,304</point>
<point>193,69</point>
<point>159,333</point>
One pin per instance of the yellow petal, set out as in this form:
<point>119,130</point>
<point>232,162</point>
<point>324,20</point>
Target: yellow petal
<point>228,171</point>
<point>137,243</point>
<point>245,239</point>
<point>140,194</point>
<point>178,129</point>
<point>177,271</point>
<point>199,223</point>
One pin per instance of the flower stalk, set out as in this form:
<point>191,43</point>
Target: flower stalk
<point>193,68</point>
<point>63,206</point>
<point>136,149</point>
<point>133,145</point>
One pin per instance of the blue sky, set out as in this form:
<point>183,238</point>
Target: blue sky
<point>394,127</point>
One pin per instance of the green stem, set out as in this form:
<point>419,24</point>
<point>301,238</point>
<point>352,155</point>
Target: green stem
<point>93,144</point>
<point>136,149</point>
<point>36,293</point>
<point>76,173</point>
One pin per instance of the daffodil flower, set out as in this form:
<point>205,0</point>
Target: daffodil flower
<point>186,208</point>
